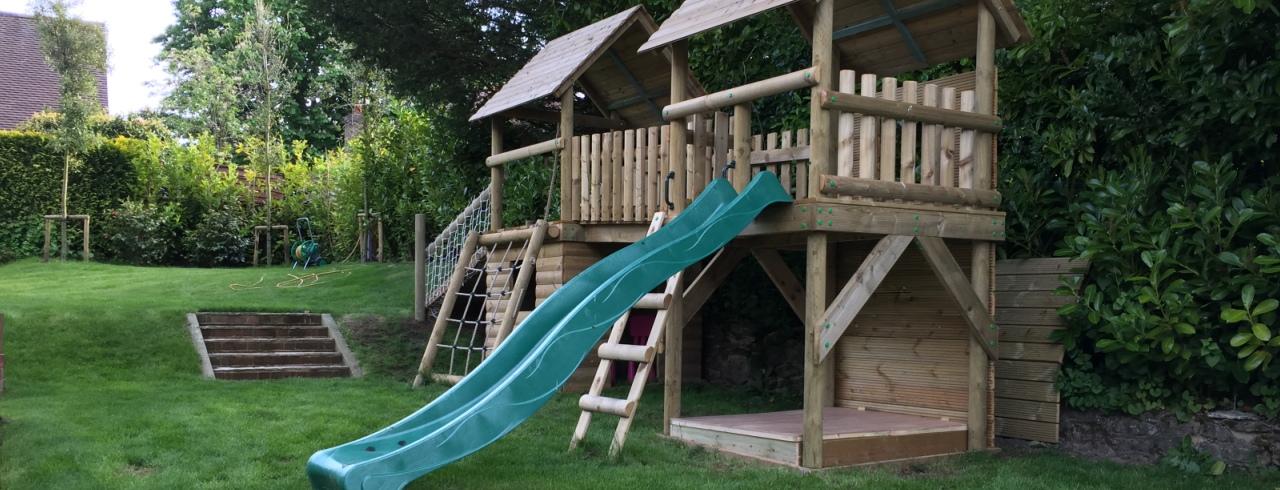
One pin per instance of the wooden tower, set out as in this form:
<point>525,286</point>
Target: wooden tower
<point>895,208</point>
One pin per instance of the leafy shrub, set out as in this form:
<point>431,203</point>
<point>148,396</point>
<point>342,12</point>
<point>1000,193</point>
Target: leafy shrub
<point>218,241</point>
<point>138,233</point>
<point>20,239</point>
<point>31,177</point>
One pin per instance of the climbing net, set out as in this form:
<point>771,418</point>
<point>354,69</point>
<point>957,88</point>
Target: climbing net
<point>443,252</point>
<point>473,326</point>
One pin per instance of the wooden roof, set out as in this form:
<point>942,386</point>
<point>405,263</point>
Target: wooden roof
<point>695,16</point>
<point>603,59</point>
<point>884,37</point>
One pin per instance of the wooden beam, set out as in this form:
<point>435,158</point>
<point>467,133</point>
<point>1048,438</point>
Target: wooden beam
<point>1010,28</point>
<point>907,38</point>
<point>983,254</point>
<point>972,309</point>
<point>902,15</point>
<point>533,150</point>
<point>786,282</point>
<point>742,146</point>
<point>567,203</point>
<point>740,95</point>
<point>711,277</point>
<point>580,120</point>
<point>678,152</point>
<point>631,78</point>
<point>673,359</point>
<point>869,106</point>
<point>630,101</point>
<point>497,176</point>
<point>851,186</point>
<point>858,290</point>
<point>817,380</point>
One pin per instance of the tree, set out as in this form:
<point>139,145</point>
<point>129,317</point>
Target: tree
<point>77,51</point>
<point>208,89</point>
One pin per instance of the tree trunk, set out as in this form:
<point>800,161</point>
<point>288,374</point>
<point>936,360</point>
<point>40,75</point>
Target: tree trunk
<point>66,175</point>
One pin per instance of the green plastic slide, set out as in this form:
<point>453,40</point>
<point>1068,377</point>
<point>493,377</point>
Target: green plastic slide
<point>536,359</point>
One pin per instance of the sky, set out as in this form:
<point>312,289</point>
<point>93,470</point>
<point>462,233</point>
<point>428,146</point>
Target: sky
<point>131,25</point>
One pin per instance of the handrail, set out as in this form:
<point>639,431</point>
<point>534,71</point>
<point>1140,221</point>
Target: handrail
<point>526,152</point>
<point>936,194</point>
<point>906,111</point>
<point>807,77</point>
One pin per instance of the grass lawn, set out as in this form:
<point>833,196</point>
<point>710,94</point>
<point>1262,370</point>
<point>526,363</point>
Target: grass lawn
<point>103,391</point>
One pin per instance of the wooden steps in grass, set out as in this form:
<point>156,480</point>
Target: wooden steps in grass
<point>248,346</point>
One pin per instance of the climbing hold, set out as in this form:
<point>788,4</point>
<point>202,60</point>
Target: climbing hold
<point>804,208</point>
<point>917,217</point>
<point>833,183</point>
<point>993,233</point>
<point>666,112</point>
<point>828,325</point>
<point>917,229</point>
<point>993,326</point>
<point>997,197</point>
<point>833,98</point>
<point>827,345</point>
<point>831,223</point>
<point>993,343</point>
<point>802,225</point>
<point>808,74</point>
<point>1002,233</point>
<point>730,95</point>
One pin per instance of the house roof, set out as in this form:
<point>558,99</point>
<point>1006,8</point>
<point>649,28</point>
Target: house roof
<point>884,37</point>
<point>27,84</point>
<point>603,59</point>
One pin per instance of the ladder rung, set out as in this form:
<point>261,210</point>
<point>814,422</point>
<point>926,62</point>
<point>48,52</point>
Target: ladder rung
<point>602,404</point>
<point>625,352</point>
<point>654,301</point>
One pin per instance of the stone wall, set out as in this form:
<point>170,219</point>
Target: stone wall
<point>1240,439</point>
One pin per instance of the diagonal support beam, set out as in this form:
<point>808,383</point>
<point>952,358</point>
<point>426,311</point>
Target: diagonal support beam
<point>631,77</point>
<point>706,283</point>
<point>791,288</point>
<point>902,16</point>
<point>892,13</point>
<point>972,308</point>
<point>858,291</point>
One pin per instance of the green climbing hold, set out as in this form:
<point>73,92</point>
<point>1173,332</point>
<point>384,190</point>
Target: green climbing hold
<point>802,225</point>
<point>808,74</point>
<point>997,197</point>
<point>831,223</point>
<point>917,217</point>
<point>993,233</point>
<point>827,345</point>
<point>993,343</point>
<point>730,95</point>
<point>993,222</point>
<point>993,326</point>
<point>1002,233</point>
<point>828,325</point>
<point>833,98</point>
<point>833,183</point>
<point>917,229</point>
<point>804,208</point>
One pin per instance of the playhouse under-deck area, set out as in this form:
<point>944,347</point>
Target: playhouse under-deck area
<point>849,436</point>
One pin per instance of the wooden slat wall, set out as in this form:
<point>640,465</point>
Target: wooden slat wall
<point>1026,401</point>
<point>908,349</point>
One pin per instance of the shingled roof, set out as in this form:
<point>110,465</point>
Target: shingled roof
<point>603,59</point>
<point>27,84</point>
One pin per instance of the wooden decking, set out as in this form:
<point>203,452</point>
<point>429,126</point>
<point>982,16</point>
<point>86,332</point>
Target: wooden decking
<point>850,436</point>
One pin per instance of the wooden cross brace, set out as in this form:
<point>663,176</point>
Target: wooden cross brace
<point>855,294</point>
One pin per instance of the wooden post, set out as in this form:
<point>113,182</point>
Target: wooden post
<point>947,149</point>
<point>566,155</point>
<point>816,370</point>
<point>376,216</point>
<point>85,238</point>
<point>980,265</point>
<point>584,179</point>
<point>845,152</point>
<point>908,158</point>
<point>497,175</point>
<point>63,246</point>
<point>597,177</point>
<point>742,146</point>
<point>420,267</point>
<point>606,175</point>
<point>627,180</point>
<point>888,132</point>
<point>816,382</point>
<point>678,153</point>
<point>1,354</point>
<point>673,347</point>
<point>47,225</point>
<point>654,172</point>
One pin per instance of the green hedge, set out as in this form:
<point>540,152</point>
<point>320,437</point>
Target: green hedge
<point>31,176</point>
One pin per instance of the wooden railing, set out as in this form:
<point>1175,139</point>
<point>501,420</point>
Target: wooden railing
<point>911,134</point>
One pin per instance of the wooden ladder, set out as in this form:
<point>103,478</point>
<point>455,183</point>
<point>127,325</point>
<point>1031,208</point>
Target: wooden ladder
<point>614,350</point>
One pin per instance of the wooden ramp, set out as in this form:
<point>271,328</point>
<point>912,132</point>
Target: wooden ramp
<point>849,437</point>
